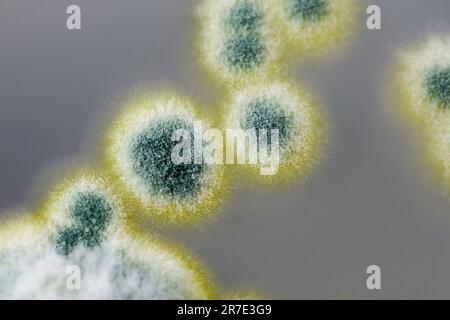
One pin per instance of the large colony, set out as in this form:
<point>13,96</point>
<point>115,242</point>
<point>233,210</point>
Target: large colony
<point>423,80</point>
<point>139,153</point>
<point>85,220</point>
<point>423,89</point>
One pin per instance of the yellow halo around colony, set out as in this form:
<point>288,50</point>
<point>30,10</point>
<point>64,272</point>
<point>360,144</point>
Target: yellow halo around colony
<point>55,208</point>
<point>325,26</point>
<point>21,234</point>
<point>243,295</point>
<point>148,249</point>
<point>132,121</point>
<point>410,78</point>
<point>439,150</point>
<point>303,149</point>
<point>166,271</point>
<point>217,37</point>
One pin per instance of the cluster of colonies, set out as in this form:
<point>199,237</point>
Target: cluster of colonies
<point>245,40</point>
<point>84,220</point>
<point>423,82</point>
<point>82,223</point>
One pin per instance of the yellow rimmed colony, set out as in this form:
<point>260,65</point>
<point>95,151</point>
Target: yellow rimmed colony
<point>124,267</point>
<point>294,115</point>
<point>21,235</point>
<point>439,149</point>
<point>139,147</point>
<point>170,270</point>
<point>238,41</point>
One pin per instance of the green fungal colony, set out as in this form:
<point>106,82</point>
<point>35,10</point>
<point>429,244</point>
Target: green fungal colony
<point>315,26</point>
<point>422,76</point>
<point>90,218</point>
<point>139,149</point>
<point>238,40</point>
<point>244,16</point>
<point>438,86</point>
<point>91,214</point>
<point>126,265</point>
<point>289,110</point>
<point>422,87</point>
<point>439,150</point>
<point>308,10</point>
<point>266,114</point>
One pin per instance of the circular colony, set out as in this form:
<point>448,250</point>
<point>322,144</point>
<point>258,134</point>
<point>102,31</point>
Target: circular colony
<point>313,25</point>
<point>297,121</point>
<point>122,268</point>
<point>140,147</point>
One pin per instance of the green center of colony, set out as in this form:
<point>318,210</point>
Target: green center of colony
<point>308,10</point>
<point>437,83</point>
<point>244,48</point>
<point>91,214</point>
